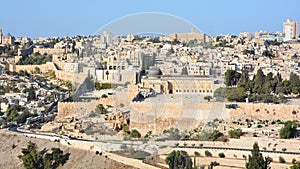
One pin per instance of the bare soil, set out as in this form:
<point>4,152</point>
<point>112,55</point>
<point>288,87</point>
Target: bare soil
<point>11,145</point>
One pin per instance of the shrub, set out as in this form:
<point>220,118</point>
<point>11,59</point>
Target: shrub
<point>235,133</point>
<point>104,96</point>
<point>207,153</point>
<point>140,155</point>
<point>221,155</point>
<point>123,147</point>
<point>289,130</point>
<point>135,134</point>
<point>89,132</point>
<point>281,160</point>
<point>214,164</point>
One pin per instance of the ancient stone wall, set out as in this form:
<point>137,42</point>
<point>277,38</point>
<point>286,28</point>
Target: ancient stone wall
<point>67,110</point>
<point>49,51</point>
<point>79,109</point>
<point>264,111</point>
<point>146,116</point>
<point>49,66</point>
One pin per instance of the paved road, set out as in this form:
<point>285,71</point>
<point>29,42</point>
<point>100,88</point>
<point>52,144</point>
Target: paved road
<point>238,149</point>
<point>14,129</point>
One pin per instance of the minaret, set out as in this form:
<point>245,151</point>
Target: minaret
<point>193,30</point>
<point>1,34</point>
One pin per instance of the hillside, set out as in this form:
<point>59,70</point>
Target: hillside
<point>78,159</point>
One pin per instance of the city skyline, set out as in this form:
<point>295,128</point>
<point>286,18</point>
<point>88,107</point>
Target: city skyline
<point>47,19</point>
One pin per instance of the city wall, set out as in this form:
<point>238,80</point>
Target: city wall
<point>49,50</point>
<point>265,111</point>
<point>80,109</point>
<point>146,116</point>
<point>49,66</point>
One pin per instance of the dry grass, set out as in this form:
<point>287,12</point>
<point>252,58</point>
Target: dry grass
<point>11,145</point>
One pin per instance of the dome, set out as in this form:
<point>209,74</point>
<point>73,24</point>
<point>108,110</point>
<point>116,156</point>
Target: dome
<point>153,71</point>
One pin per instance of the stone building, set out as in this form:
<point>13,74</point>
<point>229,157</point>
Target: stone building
<point>186,37</point>
<point>180,84</point>
<point>6,40</point>
<point>291,30</point>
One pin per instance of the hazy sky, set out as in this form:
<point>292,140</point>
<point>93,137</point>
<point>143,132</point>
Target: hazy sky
<point>41,18</point>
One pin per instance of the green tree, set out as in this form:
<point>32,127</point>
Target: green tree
<point>104,96</point>
<point>68,84</point>
<point>125,129</point>
<point>221,155</point>
<point>196,154</point>
<point>236,94</point>
<point>245,52</point>
<point>37,70</point>
<point>101,109</point>
<point>232,77</point>
<point>281,159</point>
<point>34,159</point>
<point>207,153</point>
<point>295,83</point>
<point>259,81</point>
<point>208,98</point>
<point>235,133</point>
<point>135,134</point>
<point>296,166</point>
<point>244,80</point>
<point>179,160</point>
<point>288,130</point>
<point>11,113</point>
<point>184,71</point>
<point>215,135</point>
<point>31,94</point>
<point>220,93</point>
<point>256,159</point>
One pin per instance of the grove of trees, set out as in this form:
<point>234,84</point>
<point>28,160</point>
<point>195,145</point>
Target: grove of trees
<point>34,159</point>
<point>179,160</point>
<point>35,59</point>
<point>262,88</point>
